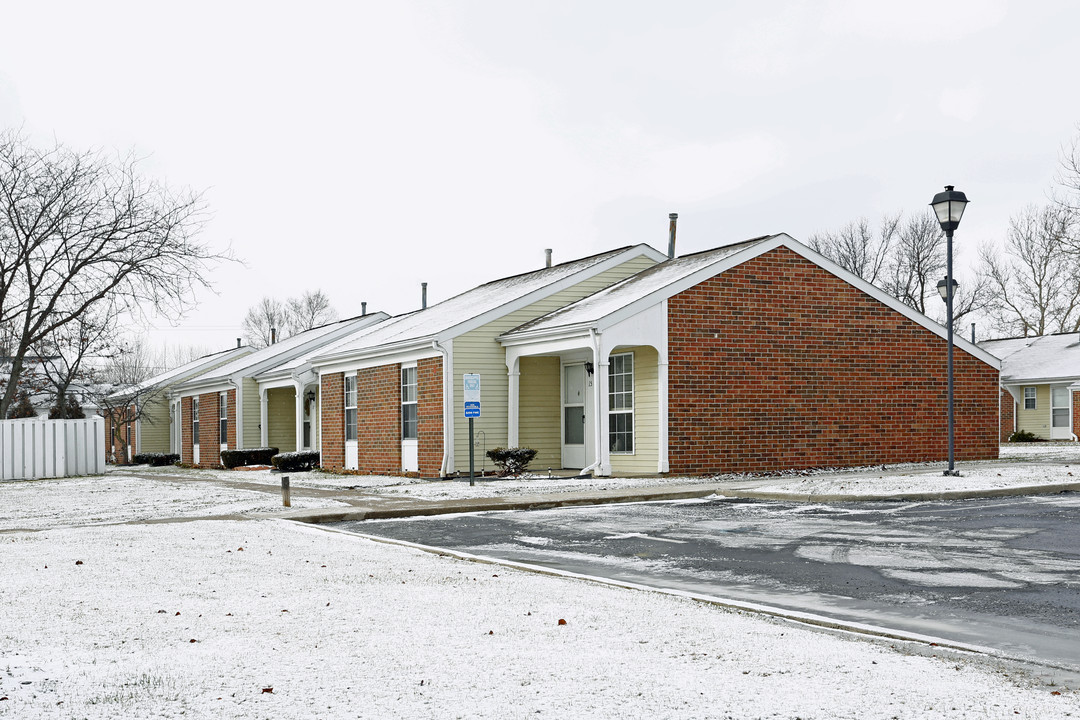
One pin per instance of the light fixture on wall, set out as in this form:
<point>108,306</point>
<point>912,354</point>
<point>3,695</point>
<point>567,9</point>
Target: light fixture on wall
<point>589,368</point>
<point>309,397</point>
<point>949,208</point>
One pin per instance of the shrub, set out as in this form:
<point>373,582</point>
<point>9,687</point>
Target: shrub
<point>71,410</point>
<point>512,461</point>
<point>249,456</point>
<point>155,459</point>
<point>1024,436</point>
<point>296,461</point>
<point>22,408</point>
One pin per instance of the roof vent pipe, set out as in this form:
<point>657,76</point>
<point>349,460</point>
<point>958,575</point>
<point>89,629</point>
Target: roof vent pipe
<point>672,218</point>
<point>273,335</point>
<point>423,296</point>
<point>972,333</point>
<point>363,309</point>
<point>547,257</point>
<point>237,342</point>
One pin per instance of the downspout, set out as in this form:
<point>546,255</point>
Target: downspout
<point>448,409</point>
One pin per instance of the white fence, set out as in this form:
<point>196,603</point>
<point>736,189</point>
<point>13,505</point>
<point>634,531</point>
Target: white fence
<point>51,448</point>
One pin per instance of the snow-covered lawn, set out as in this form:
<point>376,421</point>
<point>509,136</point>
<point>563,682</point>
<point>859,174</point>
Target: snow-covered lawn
<point>112,498</point>
<point>268,619</point>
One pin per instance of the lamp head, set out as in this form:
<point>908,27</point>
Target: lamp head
<point>949,208</point>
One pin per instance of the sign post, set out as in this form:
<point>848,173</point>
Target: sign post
<point>471,383</point>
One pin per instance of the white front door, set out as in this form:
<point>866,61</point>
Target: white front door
<point>575,414</point>
<point>1060,413</point>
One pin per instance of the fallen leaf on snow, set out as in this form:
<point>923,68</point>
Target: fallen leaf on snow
<point>268,690</point>
<point>561,621</point>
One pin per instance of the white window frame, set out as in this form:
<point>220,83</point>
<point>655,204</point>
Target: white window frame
<point>350,395</point>
<point>627,410</point>
<point>223,419</point>
<point>410,370</point>
<point>1032,397</point>
<point>195,421</point>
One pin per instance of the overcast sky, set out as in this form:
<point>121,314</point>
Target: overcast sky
<point>363,148</point>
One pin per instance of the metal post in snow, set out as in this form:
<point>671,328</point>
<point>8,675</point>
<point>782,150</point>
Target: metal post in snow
<point>472,451</point>
<point>286,497</point>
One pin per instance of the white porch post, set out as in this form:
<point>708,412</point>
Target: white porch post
<point>514,374</point>
<point>298,407</point>
<point>264,417</point>
<point>600,384</point>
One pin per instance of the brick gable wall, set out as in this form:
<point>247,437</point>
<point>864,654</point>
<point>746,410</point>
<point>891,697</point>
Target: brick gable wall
<point>429,382</point>
<point>332,420</point>
<point>777,364</point>
<point>209,432</point>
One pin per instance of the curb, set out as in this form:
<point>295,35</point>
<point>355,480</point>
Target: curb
<point>546,502</point>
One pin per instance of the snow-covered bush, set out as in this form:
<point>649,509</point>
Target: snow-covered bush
<point>296,461</point>
<point>512,461</point>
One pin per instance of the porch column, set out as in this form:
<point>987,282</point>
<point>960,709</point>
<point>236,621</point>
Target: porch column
<point>662,410</point>
<point>298,408</point>
<point>514,374</point>
<point>264,419</point>
<point>600,384</point>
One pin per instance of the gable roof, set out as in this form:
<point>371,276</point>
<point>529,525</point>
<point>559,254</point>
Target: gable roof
<point>475,307</point>
<point>1042,358</point>
<point>280,352</point>
<point>187,370</point>
<point>624,299</point>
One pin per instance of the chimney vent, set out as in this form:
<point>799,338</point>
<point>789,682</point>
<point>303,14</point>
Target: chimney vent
<point>363,309</point>
<point>672,218</point>
<point>273,335</point>
<point>423,296</point>
<point>547,257</point>
<point>972,333</point>
<point>237,342</point>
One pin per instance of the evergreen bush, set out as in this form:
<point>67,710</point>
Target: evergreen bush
<point>296,461</point>
<point>1024,436</point>
<point>512,461</point>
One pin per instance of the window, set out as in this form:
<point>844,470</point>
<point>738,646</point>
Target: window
<point>350,407</point>
<point>223,418</point>
<point>1029,398</point>
<point>408,403</point>
<point>194,421</point>
<point>621,403</point>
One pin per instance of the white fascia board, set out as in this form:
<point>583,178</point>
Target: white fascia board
<point>405,354</point>
<point>551,289</point>
<point>1041,381</point>
<point>527,337</point>
<point>219,387</point>
<point>278,382</point>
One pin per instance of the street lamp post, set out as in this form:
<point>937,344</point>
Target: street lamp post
<point>949,208</point>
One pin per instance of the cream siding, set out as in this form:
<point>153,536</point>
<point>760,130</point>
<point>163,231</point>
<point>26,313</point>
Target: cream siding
<point>646,454</point>
<point>1035,421</point>
<point>154,426</point>
<point>477,351</point>
<point>540,410</point>
<point>252,433</point>
<point>281,414</point>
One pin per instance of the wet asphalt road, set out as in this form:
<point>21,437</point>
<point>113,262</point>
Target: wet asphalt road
<point>1002,573</point>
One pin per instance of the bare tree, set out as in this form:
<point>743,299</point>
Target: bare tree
<point>81,228</point>
<point>64,353</point>
<point>857,248</point>
<point>263,320</point>
<point>1035,287</point>
<point>122,392</point>
<point>917,261</point>
<point>308,311</point>
<point>291,317</point>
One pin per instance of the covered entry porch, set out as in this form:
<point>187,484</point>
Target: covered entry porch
<point>289,411</point>
<point>585,405</point>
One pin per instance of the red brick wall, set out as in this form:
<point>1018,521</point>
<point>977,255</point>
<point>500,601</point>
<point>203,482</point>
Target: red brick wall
<point>429,389</point>
<point>1008,415</point>
<point>209,432</point>
<point>777,364</point>
<point>332,419</point>
<point>114,444</point>
<point>379,419</point>
<point>1076,413</point>
<point>186,455</point>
